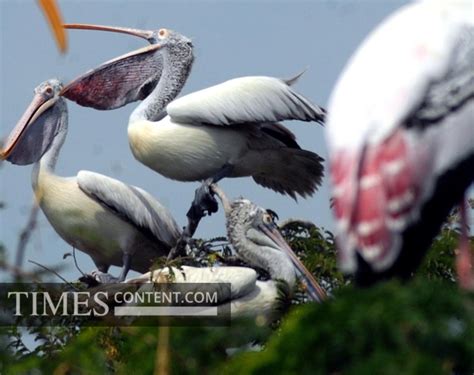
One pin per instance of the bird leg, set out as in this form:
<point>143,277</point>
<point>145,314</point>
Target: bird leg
<point>183,241</point>
<point>464,261</point>
<point>104,268</point>
<point>204,200</point>
<point>127,263</point>
<point>193,222</point>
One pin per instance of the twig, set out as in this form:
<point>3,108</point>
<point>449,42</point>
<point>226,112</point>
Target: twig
<point>17,272</point>
<point>75,261</point>
<point>186,235</point>
<point>53,272</point>
<point>25,234</point>
<point>162,358</point>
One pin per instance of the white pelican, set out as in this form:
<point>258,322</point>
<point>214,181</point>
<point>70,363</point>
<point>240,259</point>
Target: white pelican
<point>401,139</point>
<point>114,223</point>
<point>228,130</point>
<point>257,241</point>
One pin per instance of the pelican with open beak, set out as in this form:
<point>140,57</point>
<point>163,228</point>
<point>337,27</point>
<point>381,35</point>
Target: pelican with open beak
<point>229,130</point>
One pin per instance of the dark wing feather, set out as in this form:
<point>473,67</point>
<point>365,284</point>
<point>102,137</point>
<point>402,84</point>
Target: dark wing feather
<point>282,134</point>
<point>447,94</point>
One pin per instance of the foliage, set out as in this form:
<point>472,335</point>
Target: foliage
<point>439,261</point>
<point>425,325</point>
<point>84,354</point>
<point>102,350</point>
<point>316,247</point>
<point>420,328</point>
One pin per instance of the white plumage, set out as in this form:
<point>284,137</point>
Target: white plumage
<point>227,130</point>
<point>389,74</point>
<point>114,223</point>
<point>401,136</point>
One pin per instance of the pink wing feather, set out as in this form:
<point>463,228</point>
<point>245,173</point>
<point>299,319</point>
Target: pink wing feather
<point>377,193</point>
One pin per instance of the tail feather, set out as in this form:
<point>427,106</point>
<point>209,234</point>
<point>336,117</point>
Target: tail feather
<point>295,172</point>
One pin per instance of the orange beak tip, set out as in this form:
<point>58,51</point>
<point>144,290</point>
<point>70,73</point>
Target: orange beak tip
<point>53,15</point>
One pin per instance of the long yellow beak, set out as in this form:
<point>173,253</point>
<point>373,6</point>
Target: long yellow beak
<point>53,15</point>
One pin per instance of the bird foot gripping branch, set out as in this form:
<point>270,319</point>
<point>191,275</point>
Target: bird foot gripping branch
<point>203,203</point>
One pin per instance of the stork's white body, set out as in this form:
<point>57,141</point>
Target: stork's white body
<point>400,125</point>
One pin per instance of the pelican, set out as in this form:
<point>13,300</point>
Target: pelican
<point>114,223</point>
<point>256,240</point>
<point>53,16</point>
<point>401,139</point>
<point>228,130</point>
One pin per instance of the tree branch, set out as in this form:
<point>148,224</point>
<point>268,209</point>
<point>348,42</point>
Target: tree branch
<point>25,235</point>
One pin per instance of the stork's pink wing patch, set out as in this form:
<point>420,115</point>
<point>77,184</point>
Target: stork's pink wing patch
<point>376,193</point>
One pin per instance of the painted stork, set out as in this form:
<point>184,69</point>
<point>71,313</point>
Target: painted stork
<point>114,223</point>
<point>228,130</point>
<point>401,139</point>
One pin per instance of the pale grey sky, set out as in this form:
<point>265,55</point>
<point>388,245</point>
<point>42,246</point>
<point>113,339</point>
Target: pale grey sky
<point>231,39</point>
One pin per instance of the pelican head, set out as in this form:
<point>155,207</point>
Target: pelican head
<point>39,125</point>
<point>133,76</point>
<point>256,239</point>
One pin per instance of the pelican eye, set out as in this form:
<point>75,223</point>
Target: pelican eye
<point>162,33</point>
<point>267,219</point>
<point>48,90</point>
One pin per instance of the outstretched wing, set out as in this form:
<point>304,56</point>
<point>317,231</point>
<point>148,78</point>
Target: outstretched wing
<point>133,204</point>
<point>245,100</point>
<point>120,81</point>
